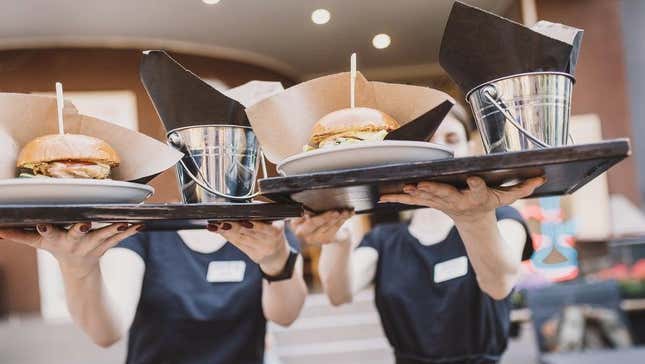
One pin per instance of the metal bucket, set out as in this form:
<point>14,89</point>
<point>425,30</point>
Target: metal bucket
<point>220,163</point>
<point>522,112</point>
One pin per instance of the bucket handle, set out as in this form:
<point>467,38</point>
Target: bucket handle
<point>490,93</point>
<point>175,141</point>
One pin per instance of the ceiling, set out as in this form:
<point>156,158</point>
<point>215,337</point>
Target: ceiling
<point>274,33</point>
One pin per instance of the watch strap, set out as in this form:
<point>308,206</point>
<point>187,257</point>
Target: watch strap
<point>287,270</point>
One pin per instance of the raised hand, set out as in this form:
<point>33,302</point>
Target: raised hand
<point>263,242</point>
<point>78,249</point>
<point>471,203</point>
<point>320,229</point>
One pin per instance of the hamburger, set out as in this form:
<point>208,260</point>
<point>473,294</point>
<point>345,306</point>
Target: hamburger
<point>351,125</point>
<point>67,156</point>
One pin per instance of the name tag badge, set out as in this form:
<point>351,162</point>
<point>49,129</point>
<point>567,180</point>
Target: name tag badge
<point>450,269</point>
<point>226,271</point>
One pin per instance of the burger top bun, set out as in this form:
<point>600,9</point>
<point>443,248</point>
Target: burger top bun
<point>62,147</point>
<point>358,119</point>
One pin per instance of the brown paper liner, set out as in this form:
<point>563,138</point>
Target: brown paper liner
<point>24,117</point>
<point>283,122</point>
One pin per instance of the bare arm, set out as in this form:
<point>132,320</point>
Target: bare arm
<point>90,293</point>
<point>495,255</point>
<point>283,300</point>
<point>344,272</point>
<point>266,244</point>
<point>123,272</point>
<point>92,300</point>
<point>495,252</point>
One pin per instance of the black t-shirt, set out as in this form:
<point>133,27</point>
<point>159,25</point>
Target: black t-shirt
<point>184,318</point>
<point>450,321</point>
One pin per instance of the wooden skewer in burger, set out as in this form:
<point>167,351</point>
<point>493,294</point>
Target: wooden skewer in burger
<point>66,155</point>
<point>351,125</point>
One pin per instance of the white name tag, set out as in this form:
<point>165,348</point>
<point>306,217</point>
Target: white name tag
<point>226,271</point>
<point>450,269</point>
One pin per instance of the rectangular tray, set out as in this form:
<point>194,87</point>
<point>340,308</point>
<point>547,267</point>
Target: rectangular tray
<point>154,216</point>
<point>566,168</point>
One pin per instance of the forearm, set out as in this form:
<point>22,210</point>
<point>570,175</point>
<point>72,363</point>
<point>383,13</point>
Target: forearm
<point>283,300</point>
<point>79,253</point>
<point>494,261</point>
<point>91,308</point>
<point>336,271</point>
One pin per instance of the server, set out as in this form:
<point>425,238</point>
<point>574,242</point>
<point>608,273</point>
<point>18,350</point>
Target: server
<point>442,282</point>
<point>184,297</point>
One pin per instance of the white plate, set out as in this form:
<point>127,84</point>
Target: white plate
<point>54,191</point>
<point>363,154</point>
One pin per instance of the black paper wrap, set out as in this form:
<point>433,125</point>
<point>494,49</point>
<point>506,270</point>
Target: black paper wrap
<point>183,99</point>
<point>478,47</point>
<point>422,128</point>
<point>567,34</point>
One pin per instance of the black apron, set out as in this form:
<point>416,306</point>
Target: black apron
<point>429,301</point>
<point>184,318</point>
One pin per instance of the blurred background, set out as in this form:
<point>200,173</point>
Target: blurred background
<point>590,247</point>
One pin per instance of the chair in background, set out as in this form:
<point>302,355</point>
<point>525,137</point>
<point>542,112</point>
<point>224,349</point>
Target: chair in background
<point>559,300</point>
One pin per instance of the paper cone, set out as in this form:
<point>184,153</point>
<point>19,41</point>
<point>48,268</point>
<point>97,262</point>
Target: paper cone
<point>24,117</point>
<point>183,99</point>
<point>478,47</point>
<point>283,122</point>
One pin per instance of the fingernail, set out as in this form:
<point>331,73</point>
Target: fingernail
<point>212,228</point>
<point>139,228</point>
<point>122,228</point>
<point>41,228</point>
<point>247,224</point>
<point>84,228</point>
<point>227,226</point>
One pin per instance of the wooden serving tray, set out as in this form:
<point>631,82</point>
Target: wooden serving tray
<point>566,168</point>
<point>154,216</point>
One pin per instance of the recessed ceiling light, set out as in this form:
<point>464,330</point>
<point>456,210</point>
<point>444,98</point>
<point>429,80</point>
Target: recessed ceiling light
<point>320,16</point>
<point>210,2</point>
<point>381,41</point>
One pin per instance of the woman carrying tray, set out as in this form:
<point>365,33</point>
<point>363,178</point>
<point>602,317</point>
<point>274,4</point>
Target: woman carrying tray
<point>442,283</point>
<point>184,297</point>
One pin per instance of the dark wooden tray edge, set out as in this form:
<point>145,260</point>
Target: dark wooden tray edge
<point>619,148</point>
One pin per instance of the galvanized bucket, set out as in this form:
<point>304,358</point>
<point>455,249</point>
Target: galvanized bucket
<point>523,112</point>
<point>220,163</point>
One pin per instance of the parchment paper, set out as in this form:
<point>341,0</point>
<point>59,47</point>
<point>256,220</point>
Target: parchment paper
<point>283,122</point>
<point>24,117</point>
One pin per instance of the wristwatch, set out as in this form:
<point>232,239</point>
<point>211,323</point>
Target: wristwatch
<point>287,270</point>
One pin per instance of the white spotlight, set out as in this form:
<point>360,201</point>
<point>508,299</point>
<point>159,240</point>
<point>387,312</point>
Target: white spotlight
<point>320,16</point>
<point>381,41</point>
